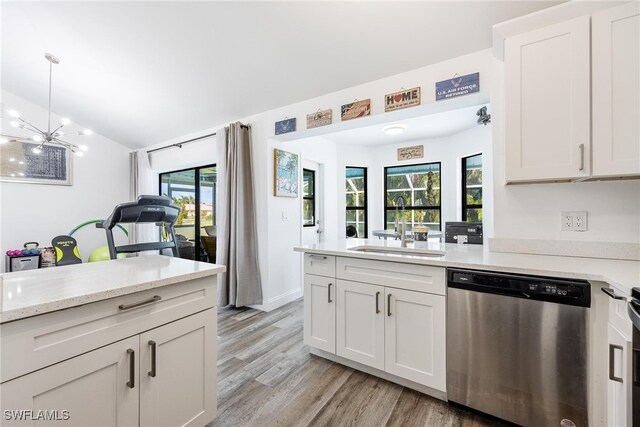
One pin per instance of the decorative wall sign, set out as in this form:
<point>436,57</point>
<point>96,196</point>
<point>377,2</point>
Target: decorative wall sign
<point>18,163</point>
<point>286,126</point>
<point>355,110</point>
<point>410,153</point>
<point>319,118</point>
<point>457,86</point>
<point>403,99</point>
<point>285,178</point>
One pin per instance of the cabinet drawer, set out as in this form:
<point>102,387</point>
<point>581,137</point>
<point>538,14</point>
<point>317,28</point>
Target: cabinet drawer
<point>618,315</point>
<point>320,265</point>
<point>36,342</point>
<point>420,278</point>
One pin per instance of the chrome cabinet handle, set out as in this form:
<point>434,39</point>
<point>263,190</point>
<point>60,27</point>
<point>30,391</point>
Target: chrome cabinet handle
<point>152,372</point>
<point>317,257</point>
<point>581,156</point>
<point>141,303</point>
<point>612,355</point>
<point>377,303</point>
<point>329,292</point>
<point>612,294</point>
<point>389,305</point>
<point>132,368</point>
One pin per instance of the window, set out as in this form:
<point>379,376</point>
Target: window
<point>419,185</point>
<point>308,198</point>
<point>472,188</point>
<point>194,190</point>
<point>356,201</point>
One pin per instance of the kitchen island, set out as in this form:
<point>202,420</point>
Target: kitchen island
<point>121,342</point>
<point>383,309</point>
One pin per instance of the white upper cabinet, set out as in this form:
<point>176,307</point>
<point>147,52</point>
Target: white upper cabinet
<point>616,91</point>
<point>547,103</point>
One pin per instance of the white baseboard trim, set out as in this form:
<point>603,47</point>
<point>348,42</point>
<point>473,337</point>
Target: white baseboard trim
<point>438,394</point>
<point>276,302</point>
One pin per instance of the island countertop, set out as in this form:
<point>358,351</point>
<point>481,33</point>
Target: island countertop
<point>33,292</point>
<point>619,273</point>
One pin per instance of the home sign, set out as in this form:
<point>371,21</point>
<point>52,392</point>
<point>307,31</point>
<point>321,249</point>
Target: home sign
<point>403,99</point>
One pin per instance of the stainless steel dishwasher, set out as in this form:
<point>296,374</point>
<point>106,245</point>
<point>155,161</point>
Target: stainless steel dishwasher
<point>517,346</point>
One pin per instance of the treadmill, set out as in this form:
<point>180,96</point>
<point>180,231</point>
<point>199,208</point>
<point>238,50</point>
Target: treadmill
<point>147,209</point>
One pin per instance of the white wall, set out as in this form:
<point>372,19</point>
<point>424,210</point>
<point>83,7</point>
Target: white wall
<point>39,212</point>
<point>447,150</point>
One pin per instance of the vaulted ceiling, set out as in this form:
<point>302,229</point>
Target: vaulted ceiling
<point>144,72</point>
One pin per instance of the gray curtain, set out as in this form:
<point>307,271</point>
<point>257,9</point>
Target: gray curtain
<point>237,245</point>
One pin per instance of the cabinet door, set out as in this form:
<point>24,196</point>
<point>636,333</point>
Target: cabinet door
<point>99,388</point>
<point>616,91</point>
<point>619,379</point>
<point>320,312</point>
<point>360,323</point>
<point>415,345</point>
<point>547,104</point>
<point>178,372</point>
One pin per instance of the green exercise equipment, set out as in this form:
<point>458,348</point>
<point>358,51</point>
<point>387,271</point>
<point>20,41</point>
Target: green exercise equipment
<point>101,253</point>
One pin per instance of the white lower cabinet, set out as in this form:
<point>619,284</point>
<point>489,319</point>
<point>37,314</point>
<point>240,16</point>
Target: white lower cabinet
<point>178,372</point>
<point>96,388</point>
<point>619,385</point>
<point>415,341</point>
<point>162,377</point>
<point>380,324</point>
<point>320,312</point>
<point>360,323</point>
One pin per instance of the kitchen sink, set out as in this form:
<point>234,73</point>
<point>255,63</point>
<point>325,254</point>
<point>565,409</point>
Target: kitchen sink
<point>398,251</point>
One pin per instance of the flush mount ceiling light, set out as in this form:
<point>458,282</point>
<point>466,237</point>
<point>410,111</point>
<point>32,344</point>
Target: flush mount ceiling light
<point>40,136</point>
<point>395,129</point>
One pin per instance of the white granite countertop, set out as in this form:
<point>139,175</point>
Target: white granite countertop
<point>622,274</point>
<point>34,292</point>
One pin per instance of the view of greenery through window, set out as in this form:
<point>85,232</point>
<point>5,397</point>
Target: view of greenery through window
<point>419,185</point>
<point>195,226</point>
<point>356,199</point>
<point>472,188</point>
<point>308,198</point>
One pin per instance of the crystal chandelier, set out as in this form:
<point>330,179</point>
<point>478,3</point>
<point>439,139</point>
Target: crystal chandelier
<point>40,136</point>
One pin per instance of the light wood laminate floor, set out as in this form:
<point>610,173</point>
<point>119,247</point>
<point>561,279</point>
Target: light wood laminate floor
<point>266,377</point>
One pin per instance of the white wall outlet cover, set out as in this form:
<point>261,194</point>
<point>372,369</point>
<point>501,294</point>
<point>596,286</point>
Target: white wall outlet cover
<point>573,221</point>
<point>580,221</point>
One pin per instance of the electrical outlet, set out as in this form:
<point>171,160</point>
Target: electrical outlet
<point>567,221</point>
<point>574,221</point>
<point>580,221</point>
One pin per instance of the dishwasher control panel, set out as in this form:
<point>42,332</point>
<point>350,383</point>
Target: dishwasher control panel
<point>563,291</point>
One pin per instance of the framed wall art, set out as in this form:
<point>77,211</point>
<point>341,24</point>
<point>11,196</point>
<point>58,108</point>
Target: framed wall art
<point>18,163</point>
<point>285,178</point>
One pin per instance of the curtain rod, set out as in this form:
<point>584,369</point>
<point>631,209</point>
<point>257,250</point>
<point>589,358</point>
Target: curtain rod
<point>180,144</point>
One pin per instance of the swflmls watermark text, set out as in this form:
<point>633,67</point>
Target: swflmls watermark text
<point>36,415</point>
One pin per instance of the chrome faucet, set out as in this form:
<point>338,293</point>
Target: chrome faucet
<point>403,232</point>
